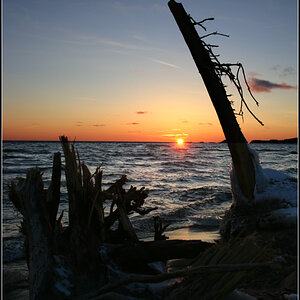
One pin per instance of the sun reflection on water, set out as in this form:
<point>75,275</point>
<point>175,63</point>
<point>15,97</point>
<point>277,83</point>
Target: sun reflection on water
<point>180,144</point>
<point>188,234</point>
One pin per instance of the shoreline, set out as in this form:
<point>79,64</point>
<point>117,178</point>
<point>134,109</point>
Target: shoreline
<point>274,141</point>
<point>15,273</point>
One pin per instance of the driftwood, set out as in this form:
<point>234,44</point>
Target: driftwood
<point>29,197</point>
<point>159,229</point>
<point>202,270</point>
<point>78,244</point>
<point>146,252</point>
<point>53,193</point>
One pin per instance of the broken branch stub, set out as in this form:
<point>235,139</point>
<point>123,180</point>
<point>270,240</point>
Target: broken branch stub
<point>74,185</point>
<point>53,192</point>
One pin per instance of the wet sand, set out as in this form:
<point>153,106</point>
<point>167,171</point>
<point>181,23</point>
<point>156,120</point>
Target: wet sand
<point>15,280</point>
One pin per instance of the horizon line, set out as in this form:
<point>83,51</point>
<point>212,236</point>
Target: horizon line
<point>95,141</point>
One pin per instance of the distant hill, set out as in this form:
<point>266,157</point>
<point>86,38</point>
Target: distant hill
<point>286,141</point>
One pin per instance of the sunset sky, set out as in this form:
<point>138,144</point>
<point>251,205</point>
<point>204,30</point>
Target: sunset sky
<point>120,70</point>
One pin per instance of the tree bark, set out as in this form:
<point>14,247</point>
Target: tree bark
<point>53,193</point>
<point>196,272</point>
<point>146,252</point>
<point>236,141</point>
<point>39,237</point>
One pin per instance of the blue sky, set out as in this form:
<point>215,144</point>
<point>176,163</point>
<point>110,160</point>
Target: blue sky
<point>69,63</point>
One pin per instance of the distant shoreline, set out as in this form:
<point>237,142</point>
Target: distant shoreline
<point>273,141</point>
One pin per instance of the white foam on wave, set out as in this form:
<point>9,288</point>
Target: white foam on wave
<point>275,192</point>
<point>13,250</point>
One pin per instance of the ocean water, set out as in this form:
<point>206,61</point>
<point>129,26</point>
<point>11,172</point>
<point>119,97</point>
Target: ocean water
<point>189,184</point>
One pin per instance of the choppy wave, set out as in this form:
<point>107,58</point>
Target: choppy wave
<point>190,185</point>
<point>13,249</point>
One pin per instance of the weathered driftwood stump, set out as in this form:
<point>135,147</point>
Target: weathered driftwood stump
<point>29,197</point>
<point>66,261</point>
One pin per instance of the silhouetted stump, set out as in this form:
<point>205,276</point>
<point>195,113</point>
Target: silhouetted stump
<point>66,261</point>
<point>30,199</point>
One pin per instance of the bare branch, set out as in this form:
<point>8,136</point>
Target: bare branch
<point>214,33</point>
<point>250,92</point>
<point>204,270</point>
<point>200,22</point>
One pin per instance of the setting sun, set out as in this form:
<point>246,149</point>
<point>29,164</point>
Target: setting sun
<point>180,141</point>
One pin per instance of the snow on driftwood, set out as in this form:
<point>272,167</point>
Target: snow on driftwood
<point>275,196</point>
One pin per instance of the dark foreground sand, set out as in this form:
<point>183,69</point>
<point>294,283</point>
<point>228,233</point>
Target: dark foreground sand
<point>263,285</point>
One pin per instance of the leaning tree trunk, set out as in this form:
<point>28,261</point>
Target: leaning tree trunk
<point>236,141</point>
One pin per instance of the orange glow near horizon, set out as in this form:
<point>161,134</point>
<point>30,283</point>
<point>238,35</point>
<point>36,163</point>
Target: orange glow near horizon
<point>161,122</point>
<point>194,135</point>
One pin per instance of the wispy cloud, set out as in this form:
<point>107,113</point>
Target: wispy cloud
<point>259,85</point>
<point>175,135</point>
<point>284,71</point>
<point>205,124</point>
<point>164,63</point>
<point>184,121</point>
<point>107,42</point>
<point>98,125</point>
<point>131,42</point>
<point>132,123</point>
<point>140,38</point>
<point>93,39</point>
